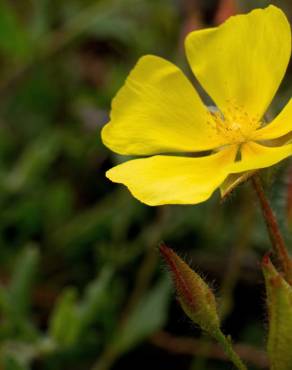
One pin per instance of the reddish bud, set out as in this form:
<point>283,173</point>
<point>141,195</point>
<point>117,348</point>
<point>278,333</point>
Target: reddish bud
<point>194,295</point>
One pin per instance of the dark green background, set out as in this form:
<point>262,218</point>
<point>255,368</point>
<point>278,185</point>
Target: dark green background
<point>82,286</point>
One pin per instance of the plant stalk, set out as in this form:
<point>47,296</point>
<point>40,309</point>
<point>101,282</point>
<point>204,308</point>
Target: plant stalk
<point>227,347</point>
<point>275,235</point>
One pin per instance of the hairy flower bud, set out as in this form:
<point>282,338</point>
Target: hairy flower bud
<point>279,301</point>
<point>194,295</point>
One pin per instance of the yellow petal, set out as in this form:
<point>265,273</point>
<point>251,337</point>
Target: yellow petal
<point>255,156</point>
<point>241,63</point>
<point>158,111</point>
<point>174,180</point>
<point>280,126</point>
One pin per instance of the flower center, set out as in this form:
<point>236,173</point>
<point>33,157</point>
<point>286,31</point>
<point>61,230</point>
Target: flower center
<point>234,125</point>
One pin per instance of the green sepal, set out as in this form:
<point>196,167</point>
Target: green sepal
<point>232,181</point>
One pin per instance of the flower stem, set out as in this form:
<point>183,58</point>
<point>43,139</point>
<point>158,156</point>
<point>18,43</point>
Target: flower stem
<point>276,237</point>
<point>227,346</point>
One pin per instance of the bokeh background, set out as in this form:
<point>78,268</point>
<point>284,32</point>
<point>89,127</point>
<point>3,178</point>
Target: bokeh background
<point>82,284</point>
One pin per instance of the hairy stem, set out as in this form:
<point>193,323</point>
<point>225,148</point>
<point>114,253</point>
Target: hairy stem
<point>276,237</point>
<point>228,349</point>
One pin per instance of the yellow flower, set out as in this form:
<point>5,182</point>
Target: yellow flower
<point>240,64</point>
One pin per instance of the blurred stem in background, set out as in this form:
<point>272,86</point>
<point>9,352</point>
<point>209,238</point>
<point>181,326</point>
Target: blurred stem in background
<point>197,348</point>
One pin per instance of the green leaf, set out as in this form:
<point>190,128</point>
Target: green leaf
<point>70,319</point>
<point>64,326</point>
<point>35,159</point>
<point>15,300</point>
<point>149,315</point>
<point>13,37</point>
<point>20,289</point>
<point>11,363</point>
<point>96,297</point>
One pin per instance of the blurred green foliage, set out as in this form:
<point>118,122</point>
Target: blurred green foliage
<point>81,284</point>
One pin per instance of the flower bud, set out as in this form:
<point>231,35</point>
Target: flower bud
<point>279,301</point>
<point>194,295</point>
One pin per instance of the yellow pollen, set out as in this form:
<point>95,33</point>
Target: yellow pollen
<point>234,124</point>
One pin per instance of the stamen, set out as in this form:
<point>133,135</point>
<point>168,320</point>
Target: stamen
<point>235,124</point>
